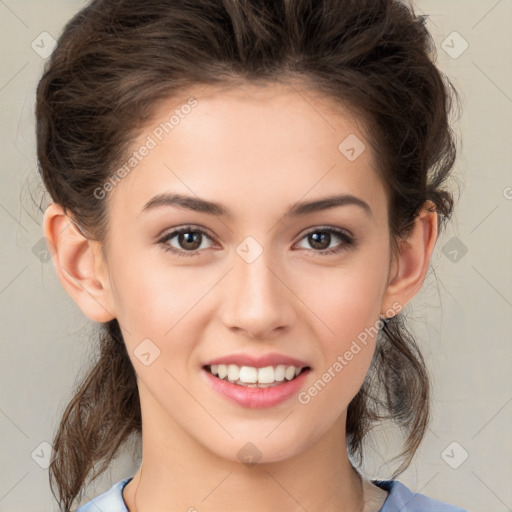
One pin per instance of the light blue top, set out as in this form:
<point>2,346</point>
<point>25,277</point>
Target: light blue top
<point>400,499</point>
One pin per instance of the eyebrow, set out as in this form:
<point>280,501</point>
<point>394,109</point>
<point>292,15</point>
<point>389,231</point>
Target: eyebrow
<point>213,208</point>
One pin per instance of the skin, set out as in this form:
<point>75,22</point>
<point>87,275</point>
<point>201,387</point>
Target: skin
<point>257,150</point>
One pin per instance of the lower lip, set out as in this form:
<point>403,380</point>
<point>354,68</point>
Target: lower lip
<point>253,397</point>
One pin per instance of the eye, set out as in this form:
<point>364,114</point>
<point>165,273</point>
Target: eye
<point>188,239</point>
<point>320,238</point>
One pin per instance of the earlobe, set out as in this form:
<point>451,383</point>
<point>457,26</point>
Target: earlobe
<point>75,259</point>
<point>413,259</point>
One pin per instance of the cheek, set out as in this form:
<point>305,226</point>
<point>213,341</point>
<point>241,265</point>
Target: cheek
<point>348,355</point>
<point>162,314</point>
<point>354,315</point>
<point>346,301</point>
<point>144,283</point>
<point>349,304</point>
<point>156,302</point>
<point>345,366</point>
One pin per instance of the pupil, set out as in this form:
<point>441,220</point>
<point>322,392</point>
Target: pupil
<point>189,238</point>
<point>315,238</point>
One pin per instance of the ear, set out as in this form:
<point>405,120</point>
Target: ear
<point>79,265</point>
<point>411,264</point>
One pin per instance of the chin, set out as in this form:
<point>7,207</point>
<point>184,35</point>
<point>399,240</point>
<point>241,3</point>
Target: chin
<point>257,449</point>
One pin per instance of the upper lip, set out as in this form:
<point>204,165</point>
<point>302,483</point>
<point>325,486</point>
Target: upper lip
<point>257,361</point>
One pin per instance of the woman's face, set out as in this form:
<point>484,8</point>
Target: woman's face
<point>258,282</point>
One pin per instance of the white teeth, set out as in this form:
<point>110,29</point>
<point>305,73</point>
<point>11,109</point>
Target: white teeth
<point>290,372</point>
<point>265,375</point>
<point>249,375</point>
<point>222,371</point>
<point>233,372</point>
<point>279,372</point>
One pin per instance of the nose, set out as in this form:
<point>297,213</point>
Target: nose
<point>257,301</point>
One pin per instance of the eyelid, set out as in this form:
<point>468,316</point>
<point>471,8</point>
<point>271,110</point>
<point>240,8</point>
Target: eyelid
<point>180,227</point>
<point>327,228</point>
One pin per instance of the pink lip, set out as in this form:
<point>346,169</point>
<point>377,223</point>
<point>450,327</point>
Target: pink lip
<point>257,361</point>
<point>253,397</point>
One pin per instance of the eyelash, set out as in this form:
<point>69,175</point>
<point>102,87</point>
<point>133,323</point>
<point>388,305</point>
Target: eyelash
<point>347,241</point>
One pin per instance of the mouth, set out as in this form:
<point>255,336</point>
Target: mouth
<point>253,377</point>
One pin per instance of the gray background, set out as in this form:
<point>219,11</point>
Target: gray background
<point>462,316</point>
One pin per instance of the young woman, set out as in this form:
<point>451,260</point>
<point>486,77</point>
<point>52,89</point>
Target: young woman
<point>246,196</point>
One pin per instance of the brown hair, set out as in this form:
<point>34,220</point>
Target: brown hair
<point>117,59</point>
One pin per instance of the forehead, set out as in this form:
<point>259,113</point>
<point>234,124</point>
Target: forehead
<point>255,146</point>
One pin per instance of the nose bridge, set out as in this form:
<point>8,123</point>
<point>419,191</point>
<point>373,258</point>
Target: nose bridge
<point>256,300</point>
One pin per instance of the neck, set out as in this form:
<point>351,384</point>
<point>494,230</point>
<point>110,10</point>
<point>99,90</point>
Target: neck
<point>320,478</point>
<point>178,472</point>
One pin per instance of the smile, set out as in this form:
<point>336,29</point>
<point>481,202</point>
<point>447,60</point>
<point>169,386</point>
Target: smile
<point>250,376</point>
<point>245,386</point>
